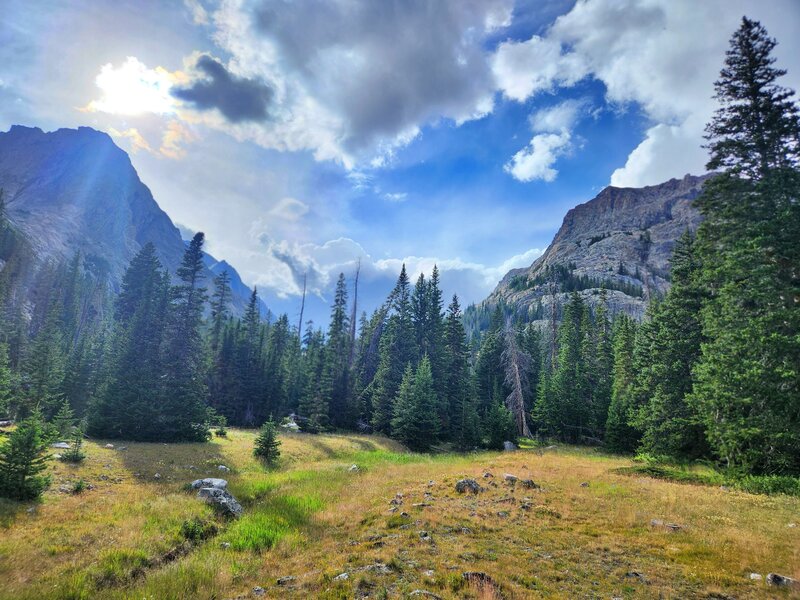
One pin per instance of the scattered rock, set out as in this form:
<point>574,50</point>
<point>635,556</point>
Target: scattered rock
<point>512,479</point>
<point>157,476</point>
<point>468,485</point>
<point>425,536</point>
<point>109,446</point>
<point>354,469</point>
<point>225,545</point>
<point>585,484</point>
<point>487,475</point>
<point>635,575</point>
<point>57,456</point>
<point>792,525</point>
<point>503,514</point>
<point>466,530</point>
<point>756,576</point>
<point>380,568</point>
<point>424,594</point>
<point>429,573</point>
<point>286,580</point>
<point>342,577</point>
<point>209,482</point>
<point>223,468</point>
<point>529,484</point>
<point>667,526</point>
<point>222,500</point>
<point>431,483</point>
<point>259,591</point>
<point>509,446</point>
<point>6,423</point>
<point>405,515</point>
<point>60,445</point>
<point>782,580</point>
<point>420,504</point>
<point>122,448</point>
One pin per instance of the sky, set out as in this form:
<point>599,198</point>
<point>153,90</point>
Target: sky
<point>307,136</point>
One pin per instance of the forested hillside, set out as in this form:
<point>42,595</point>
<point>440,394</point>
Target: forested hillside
<point>711,372</point>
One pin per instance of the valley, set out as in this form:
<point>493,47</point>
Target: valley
<point>588,531</point>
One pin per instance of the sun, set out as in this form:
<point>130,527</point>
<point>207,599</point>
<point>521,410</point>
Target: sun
<point>133,89</point>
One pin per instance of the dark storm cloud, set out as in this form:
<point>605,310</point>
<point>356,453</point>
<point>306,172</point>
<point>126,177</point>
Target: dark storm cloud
<point>386,67</point>
<point>238,99</point>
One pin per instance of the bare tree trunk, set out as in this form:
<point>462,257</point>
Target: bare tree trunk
<point>517,366</point>
<point>302,308</point>
<point>353,316</point>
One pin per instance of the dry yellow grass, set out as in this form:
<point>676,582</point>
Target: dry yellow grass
<point>312,519</point>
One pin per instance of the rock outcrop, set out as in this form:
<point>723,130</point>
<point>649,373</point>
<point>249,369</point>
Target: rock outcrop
<point>621,240</point>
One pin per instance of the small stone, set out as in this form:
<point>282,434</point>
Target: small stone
<point>792,525</point>
<point>211,482</point>
<point>431,483</point>
<point>353,469</point>
<point>585,484</point>
<point>468,485</point>
<point>259,591</point>
<point>529,484</point>
<point>503,514</point>
<point>487,475</point>
<point>109,446</point>
<point>157,476</point>
<point>756,576</point>
<point>424,594</point>
<point>396,501</point>
<point>405,515</point>
<point>509,446</point>
<point>57,456</point>
<point>635,575</point>
<point>225,545</point>
<point>286,580</point>
<point>342,577</point>
<point>429,573</point>
<point>782,580</point>
<point>512,479</point>
<point>223,468</point>
<point>122,448</point>
<point>420,504</point>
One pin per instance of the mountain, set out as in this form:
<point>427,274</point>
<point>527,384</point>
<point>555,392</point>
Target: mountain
<point>621,240</point>
<point>74,190</point>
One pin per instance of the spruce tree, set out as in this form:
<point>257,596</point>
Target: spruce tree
<point>747,380</point>
<point>415,421</point>
<point>668,348</point>
<point>23,459</point>
<point>267,445</point>
<point>7,379</point>
<point>64,421</point>
<point>619,434</point>
<point>337,361</point>
<point>500,426</point>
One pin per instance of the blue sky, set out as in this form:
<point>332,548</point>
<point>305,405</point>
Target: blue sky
<point>303,136</point>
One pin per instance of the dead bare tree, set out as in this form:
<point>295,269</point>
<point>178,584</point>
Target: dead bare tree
<point>517,365</point>
<point>302,308</point>
<point>353,316</point>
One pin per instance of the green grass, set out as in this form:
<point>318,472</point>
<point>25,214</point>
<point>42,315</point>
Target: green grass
<point>703,475</point>
<point>274,519</point>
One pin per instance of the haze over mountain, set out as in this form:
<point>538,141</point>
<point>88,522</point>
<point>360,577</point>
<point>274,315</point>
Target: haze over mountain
<point>76,191</point>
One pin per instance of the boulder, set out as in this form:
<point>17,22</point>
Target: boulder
<point>782,581</point>
<point>210,482</point>
<point>509,446</point>
<point>468,485</point>
<point>222,500</point>
<point>512,479</point>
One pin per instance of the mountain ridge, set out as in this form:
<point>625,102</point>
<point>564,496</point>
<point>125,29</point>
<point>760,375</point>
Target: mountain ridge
<point>75,190</point>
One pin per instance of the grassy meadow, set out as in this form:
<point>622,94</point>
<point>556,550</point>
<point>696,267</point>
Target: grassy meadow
<point>135,535</point>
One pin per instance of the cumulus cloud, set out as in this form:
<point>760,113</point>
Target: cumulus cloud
<point>289,209</point>
<point>536,160</point>
<point>174,139</point>
<point>238,99</point>
<point>133,89</point>
<point>137,141</point>
<point>356,79</point>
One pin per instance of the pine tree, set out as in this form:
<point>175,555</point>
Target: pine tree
<point>747,380</point>
<point>619,434</point>
<point>669,346</point>
<point>23,459</point>
<point>459,394</point>
<point>75,453</point>
<point>7,382</point>
<point>64,421</point>
<point>500,425</point>
<point>415,421</point>
<point>337,361</point>
<point>43,369</point>
<point>220,308</point>
<point>267,445</point>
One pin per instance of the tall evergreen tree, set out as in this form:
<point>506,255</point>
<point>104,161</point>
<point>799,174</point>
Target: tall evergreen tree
<point>619,434</point>
<point>337,361</point>
<point>747,386</point>
<point>415,421</point>
<point>23,460</point>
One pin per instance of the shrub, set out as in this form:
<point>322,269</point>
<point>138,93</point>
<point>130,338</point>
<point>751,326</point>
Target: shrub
<point>22,460</point>
<point>267,443</point>
<point>75,454</point>
<point>197,529</point>
<point>79,486</point>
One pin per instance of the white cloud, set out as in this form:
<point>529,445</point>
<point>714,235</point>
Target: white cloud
<point>662,55</point>
<point>559,117</point>
<point>289,209</point>
<point>536,160</point>
<point>137,141</point>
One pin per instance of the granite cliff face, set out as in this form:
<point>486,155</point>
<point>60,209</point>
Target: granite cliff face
<point>621,240</point>
<point>74,190</point>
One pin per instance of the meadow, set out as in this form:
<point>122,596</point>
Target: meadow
<point>123,525</point>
